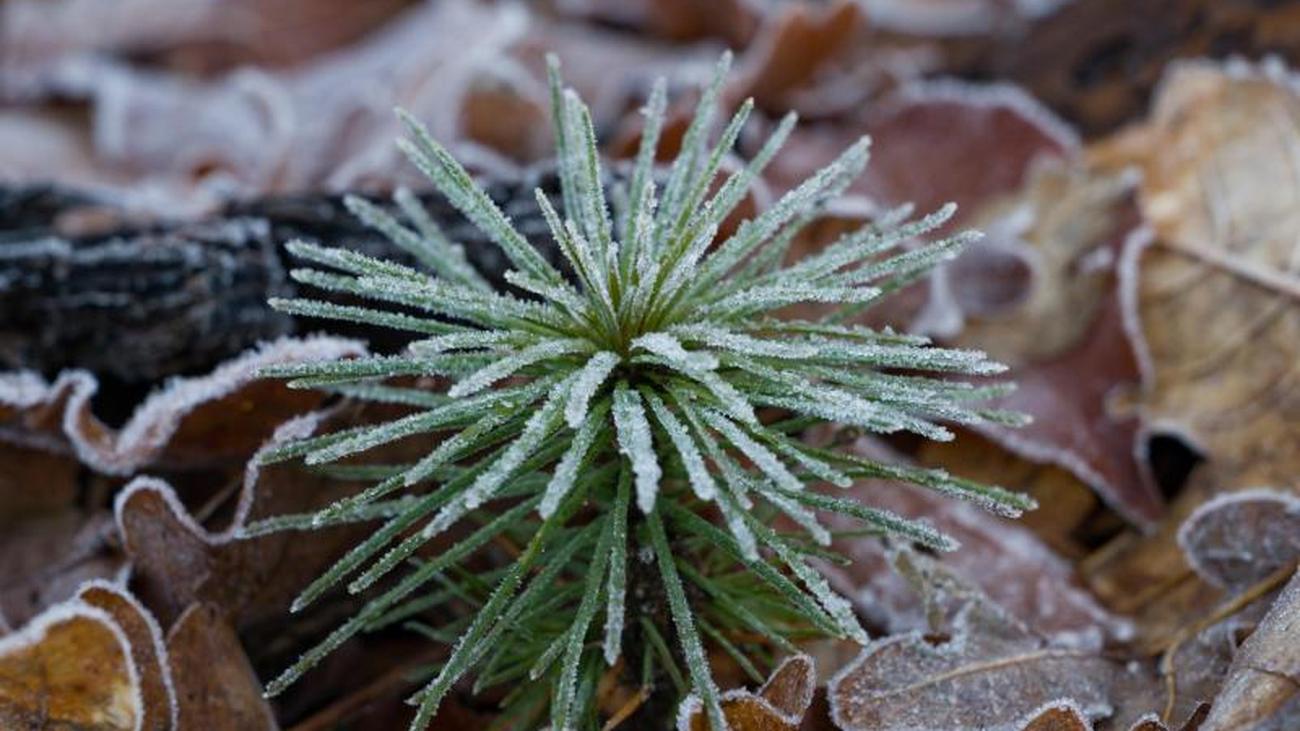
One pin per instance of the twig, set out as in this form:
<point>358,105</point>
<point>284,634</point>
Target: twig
<point>1236,604</point>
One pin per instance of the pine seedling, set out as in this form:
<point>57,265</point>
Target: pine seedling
<point>606,414</point>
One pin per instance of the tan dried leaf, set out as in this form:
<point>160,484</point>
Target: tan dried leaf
<point>1211,299</point>
<point>1213,296</point>
<point>69,668</point>
<point>148,653</point>
<point>1262,690</point>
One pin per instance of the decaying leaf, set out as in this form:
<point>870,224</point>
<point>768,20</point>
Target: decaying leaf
<point>177,562</point>
<point>734,20</point>
<point>987,671</point>
<point>199,37</point>
<point>1064,501</point>
<point>1059,326</point>
<point>45,558</point>
<point>1236,540</point>
<point>1059,715</point>
<point>1208,295</point>
<point>1096,61</point>
<point>1262,689</point>
<point>958,17</point>
<point>779,705</point>
<point>1211,296</point>
<point>1243,542</point>
<point>934,126</point>
<point>216,687</point>
<point>792,48</point>
<point>69,668</point>
<point>219,417</point>
<point>148,653</point>
<point>1004,560</point>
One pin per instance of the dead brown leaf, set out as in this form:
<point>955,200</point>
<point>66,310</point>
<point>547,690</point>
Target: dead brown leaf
<point>986,670</point>
<point>779,705</point>
<point>1213,297</point>
<point>1005,560</point>
<point>177,562</point>
<point>792,48</point>
<point>45,558</point>
<point>148,654</point>
<point>733,20</point>
<point>216,687</point>
<point>196,37</point>
<point>218,418</point>
<point>1208,294</point>
<point>1059,326</point>
<point>1057,716</point>
<point>1236,540</point>
<point>1262,690</point>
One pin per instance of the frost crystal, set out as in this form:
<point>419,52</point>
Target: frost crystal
<point>634,442</point>
<point>628,373</point>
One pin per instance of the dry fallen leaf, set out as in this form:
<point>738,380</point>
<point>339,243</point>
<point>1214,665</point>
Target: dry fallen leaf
<point>1060,328</point>
<point>45,558</point>
<point>148,653</point>
<point>779,705</point>
<point>176,562</point>
<point>36,36</point>
<point>1209,298</point>
<point>1005,560</point>
<point>792,48</point>
<point>1262,690</point>
<point>69,668</point>
<point>216,418</point>
<point>958,17</point>
<point>1243,542</point>
<point>733,20</point>
<point>1061,715</point>
<point>1236,540</point>
<point>216,687</point>
<point>1212,296</point>
<point>986,671</point>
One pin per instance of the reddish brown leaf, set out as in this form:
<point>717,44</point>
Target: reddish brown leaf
<point>213,419</point>
<point>792,48</point>
<point>779,705</point>
<point>986,671</point>
<point>177,562</point>
<point>1057,716</point>
<point>216,687</point>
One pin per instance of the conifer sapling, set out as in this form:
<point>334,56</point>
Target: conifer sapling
<point>606,419</point>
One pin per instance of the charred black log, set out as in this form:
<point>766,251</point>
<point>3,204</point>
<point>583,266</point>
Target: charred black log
<point>140,304</point>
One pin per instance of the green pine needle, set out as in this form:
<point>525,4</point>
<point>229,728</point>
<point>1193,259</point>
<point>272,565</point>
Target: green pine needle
<point>614,409</point>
